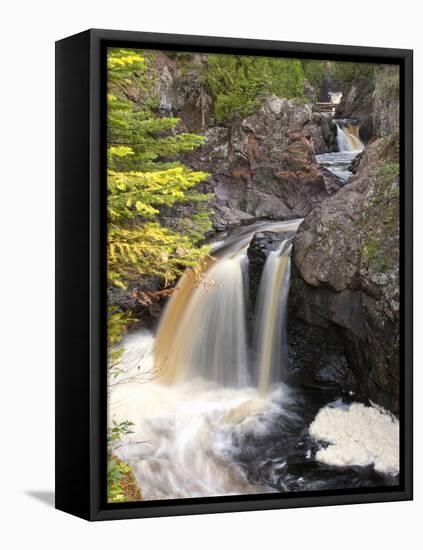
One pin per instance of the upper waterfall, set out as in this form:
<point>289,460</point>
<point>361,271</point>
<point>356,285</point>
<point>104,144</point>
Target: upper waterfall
<point>335,97</point>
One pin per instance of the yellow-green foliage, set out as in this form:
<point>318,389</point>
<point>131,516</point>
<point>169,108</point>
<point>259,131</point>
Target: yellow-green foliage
<point>121,483</point>
<point>135,193</point>
<point>315,71</point>
<point>387,82</point>
<point>347,71</point>
<point>149,249</point>
<point>239,83</point>
<point>143,176</point>
<point>118,472</point>
<point>117,324</point>
<point>373,253</point>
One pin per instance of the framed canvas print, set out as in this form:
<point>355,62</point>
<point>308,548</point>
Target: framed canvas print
<point>234,283</point>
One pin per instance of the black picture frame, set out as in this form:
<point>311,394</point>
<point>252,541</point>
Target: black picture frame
<point>81,269</point>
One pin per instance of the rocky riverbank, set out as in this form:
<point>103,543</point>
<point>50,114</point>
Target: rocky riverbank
<point>345,291</point>
<point>344,304</point>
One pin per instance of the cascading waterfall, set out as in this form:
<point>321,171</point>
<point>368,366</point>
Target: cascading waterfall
<point>271,317</point>
<point>347,137</point>
<point>203,329</point>
<point>205,421</point>
<point>335,97</point>
<point>205,396</point>
<point>349,145</point>
<point>203,332</point>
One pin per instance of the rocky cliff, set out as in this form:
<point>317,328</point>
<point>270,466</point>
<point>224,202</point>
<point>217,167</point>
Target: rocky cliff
<point>373,102</point>
<point>345,286</point>
<point>264,165</point>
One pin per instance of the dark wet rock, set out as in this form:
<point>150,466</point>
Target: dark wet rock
<point>366,129</point>
<point>260,247</point>
<point>321,131</point>
<point>353,167</point>
<point>356,101</point>
<point>346,280</point>
<point>317,351</point>
<point>332,183</point>
<point>144,300</point>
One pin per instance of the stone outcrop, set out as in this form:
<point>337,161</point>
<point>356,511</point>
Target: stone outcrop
<point>373,102</point>
<point>182,93</point>
<point>264,165</point>
<point>345,284</point>
<point>321,130</point>
<point>144,300</point>
<point>386,104</point>
<point>357,103</point>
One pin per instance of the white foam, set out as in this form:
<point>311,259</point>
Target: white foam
<point>358,435</point>
<point>185,436</point>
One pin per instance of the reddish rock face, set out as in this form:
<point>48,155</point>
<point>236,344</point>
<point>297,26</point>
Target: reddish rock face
<point>264,166</point>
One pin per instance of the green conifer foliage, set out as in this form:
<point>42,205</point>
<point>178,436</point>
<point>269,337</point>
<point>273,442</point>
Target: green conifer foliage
<point>240,83</point>
<point>143,175</point>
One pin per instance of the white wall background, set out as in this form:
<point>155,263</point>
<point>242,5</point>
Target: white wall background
<point>29,29</point>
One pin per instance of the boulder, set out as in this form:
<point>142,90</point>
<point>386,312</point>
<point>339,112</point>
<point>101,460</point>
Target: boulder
<point>144,300</point>
<point>346,281</point>
<point>264,165</point>
<point>321,130</point>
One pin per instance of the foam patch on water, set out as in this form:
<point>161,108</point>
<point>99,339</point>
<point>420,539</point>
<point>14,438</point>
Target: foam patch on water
<point>358,436</point>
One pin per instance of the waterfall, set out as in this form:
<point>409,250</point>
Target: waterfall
<point>203,333</point>
<point>335,97</point>
<point>349,146</point>
<point>347,137</point>
<point>207,390</point>
<point>215,428</point>
<point>270,321</point>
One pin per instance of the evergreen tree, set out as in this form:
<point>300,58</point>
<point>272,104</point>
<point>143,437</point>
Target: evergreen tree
<point>346,71</point>
<point>315,71</point>
<point>142,176</point>
<point>240,83</point>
